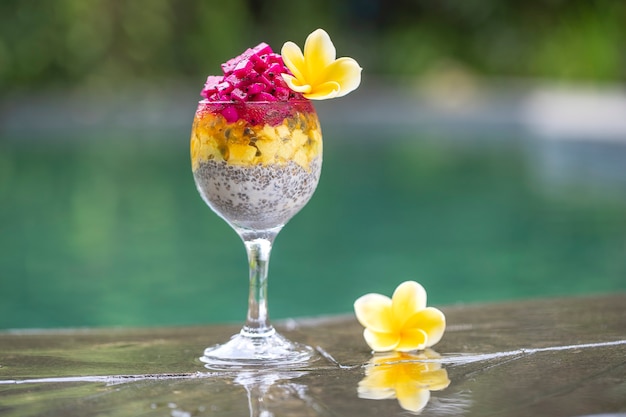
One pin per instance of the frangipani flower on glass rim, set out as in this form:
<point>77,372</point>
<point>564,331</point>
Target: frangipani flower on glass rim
<point>408,377</point>
<point>403,322</point>
<point>317,74</point>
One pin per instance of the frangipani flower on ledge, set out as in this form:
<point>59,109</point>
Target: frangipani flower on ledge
<point>407,377</point>
<point>317,74</point>
<point>402,323</point>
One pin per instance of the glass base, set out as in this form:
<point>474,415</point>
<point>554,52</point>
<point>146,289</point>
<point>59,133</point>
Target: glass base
<point>253,350</point>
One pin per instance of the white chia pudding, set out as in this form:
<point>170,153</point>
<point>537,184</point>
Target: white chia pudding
<point>258,196</point>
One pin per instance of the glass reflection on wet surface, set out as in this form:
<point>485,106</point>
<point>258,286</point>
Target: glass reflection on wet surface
<point>554,357</point>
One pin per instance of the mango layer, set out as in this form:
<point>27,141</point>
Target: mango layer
<point>297,139</point>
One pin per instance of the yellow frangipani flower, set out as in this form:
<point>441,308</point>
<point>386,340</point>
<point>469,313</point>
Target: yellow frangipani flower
<point>403,322</point>
<point>316,73</point>
<point>409,378</point>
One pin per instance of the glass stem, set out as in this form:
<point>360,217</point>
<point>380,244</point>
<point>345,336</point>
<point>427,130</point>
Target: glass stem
<point>258,249</point>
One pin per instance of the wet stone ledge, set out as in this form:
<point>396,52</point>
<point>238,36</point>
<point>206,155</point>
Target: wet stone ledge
<point>553,357</point>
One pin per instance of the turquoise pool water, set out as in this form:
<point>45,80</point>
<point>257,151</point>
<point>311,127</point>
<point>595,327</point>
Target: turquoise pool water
<point>103,231</point>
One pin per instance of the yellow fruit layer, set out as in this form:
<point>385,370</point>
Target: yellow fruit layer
<point>297,139</point>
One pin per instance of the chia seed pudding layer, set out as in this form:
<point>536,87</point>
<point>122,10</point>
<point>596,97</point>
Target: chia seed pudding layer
<point>257,196</point>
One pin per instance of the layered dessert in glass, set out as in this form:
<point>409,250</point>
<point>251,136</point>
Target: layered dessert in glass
<point>258,171</point>
<point>256,158</point>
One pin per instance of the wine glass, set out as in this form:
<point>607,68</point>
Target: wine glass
<point>256,164</point>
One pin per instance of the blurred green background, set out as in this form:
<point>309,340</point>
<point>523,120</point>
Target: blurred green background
<point>102,42</point>
<point>451,165</point>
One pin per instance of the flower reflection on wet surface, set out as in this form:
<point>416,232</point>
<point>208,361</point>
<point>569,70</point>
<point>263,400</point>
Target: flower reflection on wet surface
<point>407,377</point>
<point>556,357</point>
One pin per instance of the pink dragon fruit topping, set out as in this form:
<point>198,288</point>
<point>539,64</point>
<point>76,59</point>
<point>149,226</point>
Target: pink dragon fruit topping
<point>253,76</point>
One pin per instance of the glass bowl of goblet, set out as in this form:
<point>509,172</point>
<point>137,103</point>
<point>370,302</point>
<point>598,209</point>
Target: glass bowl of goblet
<point>256,165</point>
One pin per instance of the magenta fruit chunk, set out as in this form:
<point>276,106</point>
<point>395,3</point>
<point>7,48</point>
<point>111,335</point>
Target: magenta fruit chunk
<point>224,87</point>
<point>262,49</point>
<point>212,81</point>
<point>210,87</point>
<point>254,75</point>
<point>238,94</point>
<point>243,68</point>
<point>259,63</point>
<point>263,96</point>
<point>282,93</point>
<point>273,70</point>
<point>256,88</point>
<point>230,114</point>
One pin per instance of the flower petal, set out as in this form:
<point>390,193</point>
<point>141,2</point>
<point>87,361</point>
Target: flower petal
<point>411,397</point>
<point>412,339</point>
<point>294,84</point>
<point>346,72</point>
<point>407,299</point>
<point>323,91</point>
<point>379,341</point>
<point>373,311</point>
<point>293,59</point>
<point>379,381</point>
<point>435,380</point>
<point>374,392</point>
<point>387,358</point>
<point>432,321</point>
<point>319,52</point>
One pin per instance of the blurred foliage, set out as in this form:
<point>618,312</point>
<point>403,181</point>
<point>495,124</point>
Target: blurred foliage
<point>101,42</point>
